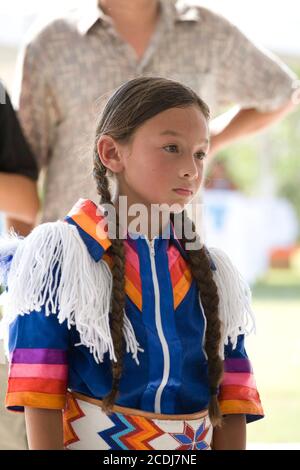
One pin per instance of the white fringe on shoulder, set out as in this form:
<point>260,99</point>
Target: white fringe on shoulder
<point>53,269</point>
<point>235,309</point>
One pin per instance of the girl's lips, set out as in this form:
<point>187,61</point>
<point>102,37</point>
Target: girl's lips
<point>183,192</point>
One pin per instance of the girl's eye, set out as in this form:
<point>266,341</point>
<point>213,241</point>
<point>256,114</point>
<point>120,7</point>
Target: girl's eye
<point>171,148</point>
<point>200,155</point>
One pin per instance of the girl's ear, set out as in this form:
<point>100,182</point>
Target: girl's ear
<point>109,154</point>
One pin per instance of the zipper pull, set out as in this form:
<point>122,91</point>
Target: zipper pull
<point>152,250</point>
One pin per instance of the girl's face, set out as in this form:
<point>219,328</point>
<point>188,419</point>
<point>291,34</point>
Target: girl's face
<point>164,157</point>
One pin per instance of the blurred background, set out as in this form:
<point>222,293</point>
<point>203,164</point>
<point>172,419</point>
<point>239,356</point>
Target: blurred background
<point>252,207</point>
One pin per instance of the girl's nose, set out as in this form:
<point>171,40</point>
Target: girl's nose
<point>189,169</point>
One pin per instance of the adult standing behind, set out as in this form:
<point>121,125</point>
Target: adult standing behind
<point>73,61</point>
<point>18,198</point>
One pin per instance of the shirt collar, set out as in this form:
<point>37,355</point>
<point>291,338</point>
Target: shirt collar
<point>89,15</point>
<point>171,11</point>
<point>93,228</point>
<point>168,234</point>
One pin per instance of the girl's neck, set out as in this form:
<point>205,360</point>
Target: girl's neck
<point>127,14</point>
<point>149,227</point>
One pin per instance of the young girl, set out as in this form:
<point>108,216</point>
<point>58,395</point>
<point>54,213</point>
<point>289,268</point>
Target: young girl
<point>120,342</point>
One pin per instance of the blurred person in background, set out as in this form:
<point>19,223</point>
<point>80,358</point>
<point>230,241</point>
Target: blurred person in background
<point>18,171</point>
<point>71,62</point>
<point>18,198</point>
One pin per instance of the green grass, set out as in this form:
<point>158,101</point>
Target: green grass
<point>275,354</point>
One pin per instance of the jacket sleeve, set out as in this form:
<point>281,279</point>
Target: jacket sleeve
<point>38,372</point>
<point>238,393</point>
<point>15,154</point>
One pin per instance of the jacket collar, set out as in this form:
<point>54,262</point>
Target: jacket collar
<point>93,228</point>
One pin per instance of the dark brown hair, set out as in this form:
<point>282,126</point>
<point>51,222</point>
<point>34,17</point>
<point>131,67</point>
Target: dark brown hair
<point>128,108</point>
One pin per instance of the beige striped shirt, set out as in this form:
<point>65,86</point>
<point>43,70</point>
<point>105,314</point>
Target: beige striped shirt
<point>73,61</point>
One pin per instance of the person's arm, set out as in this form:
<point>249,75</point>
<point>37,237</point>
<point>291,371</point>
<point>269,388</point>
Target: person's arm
<point>18,173</point>
<point>230,127</point>
<point>44,429</point>
<point>232,434</point>
<point>19,198</point>
<point>22,229</point>
<point>255,81</point>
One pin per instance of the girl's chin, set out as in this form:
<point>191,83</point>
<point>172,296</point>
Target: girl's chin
<point>171,206</point>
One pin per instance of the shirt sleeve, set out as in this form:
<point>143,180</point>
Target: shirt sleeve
<point>38,373</point>
<point>251,76</point>
<point>37,110</point>
<point>238,393</point>
<point>15,153</point>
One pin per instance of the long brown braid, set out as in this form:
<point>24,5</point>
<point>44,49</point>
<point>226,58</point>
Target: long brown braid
<point>118,288</point>
<point>128,108</point>
<point>200,266</point>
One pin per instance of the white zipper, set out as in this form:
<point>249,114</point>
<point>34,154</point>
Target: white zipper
<point>152,249</point>
<point>164,344</point>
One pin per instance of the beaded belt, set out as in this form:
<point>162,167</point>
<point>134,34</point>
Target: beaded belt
<point>86,426</point>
